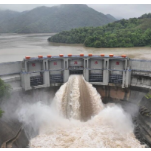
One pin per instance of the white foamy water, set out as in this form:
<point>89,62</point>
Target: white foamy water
<point>77,99</point>
<point>82,120</point>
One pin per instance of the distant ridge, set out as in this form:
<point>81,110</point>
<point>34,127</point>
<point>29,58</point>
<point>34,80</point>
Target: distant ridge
<point>53,19</point>
<point>6,15</point>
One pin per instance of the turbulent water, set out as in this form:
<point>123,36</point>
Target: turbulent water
<point>78,118</point>
<point>74,100</point>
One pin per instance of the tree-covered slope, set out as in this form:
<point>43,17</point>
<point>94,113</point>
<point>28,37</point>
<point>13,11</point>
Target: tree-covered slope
<point>122,33</point>
<point>6,15</point>
<point>4,92</point>
<point>55,19</point>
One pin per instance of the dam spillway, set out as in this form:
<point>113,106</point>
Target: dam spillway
<point>111,75</point>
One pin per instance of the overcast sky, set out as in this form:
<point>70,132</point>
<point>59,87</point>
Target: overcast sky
<point>117,10</point>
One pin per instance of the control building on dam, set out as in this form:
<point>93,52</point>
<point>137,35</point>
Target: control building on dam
<point>41,72</point>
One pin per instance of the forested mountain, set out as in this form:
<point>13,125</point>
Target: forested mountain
<point>55,19</point>
<point>122,33</point>
<point>6,15</point>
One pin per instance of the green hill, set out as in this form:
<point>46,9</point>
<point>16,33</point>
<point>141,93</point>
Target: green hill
<point>122,33</point>
<point>55,19</point>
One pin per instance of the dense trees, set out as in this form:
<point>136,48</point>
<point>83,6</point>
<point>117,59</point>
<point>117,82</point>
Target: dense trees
<point>4,92</point>
<point>146,16</point>
<point>123,33</point>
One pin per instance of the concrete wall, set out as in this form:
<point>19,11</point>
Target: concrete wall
<point>10,68</point>
<point>137,64</point>
<point>140,73</point>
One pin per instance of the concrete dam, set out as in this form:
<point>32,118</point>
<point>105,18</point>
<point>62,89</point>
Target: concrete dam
<point>117,79</point>
<point>40,72</point>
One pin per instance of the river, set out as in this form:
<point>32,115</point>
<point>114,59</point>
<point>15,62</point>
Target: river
<point>14,47</point>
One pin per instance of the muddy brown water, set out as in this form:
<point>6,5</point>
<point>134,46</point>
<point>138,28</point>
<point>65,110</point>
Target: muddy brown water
<point>14,47</point>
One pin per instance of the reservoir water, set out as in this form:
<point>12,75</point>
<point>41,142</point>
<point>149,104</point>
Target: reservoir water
<point>14,47</point>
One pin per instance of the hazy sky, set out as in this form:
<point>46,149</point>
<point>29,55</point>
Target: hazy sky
<point>117,10</point>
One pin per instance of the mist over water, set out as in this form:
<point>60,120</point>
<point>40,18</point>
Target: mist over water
<point>78,118</point>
